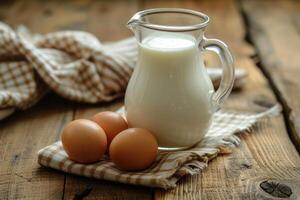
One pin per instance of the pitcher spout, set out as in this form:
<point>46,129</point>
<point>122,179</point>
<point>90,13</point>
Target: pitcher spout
<point>133,23</point>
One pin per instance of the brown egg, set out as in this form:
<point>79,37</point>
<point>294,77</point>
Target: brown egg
<point>111,122</point>
<point>84,141</point>
<point>133,149</point>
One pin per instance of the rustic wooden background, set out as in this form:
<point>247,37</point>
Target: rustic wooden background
<point>264,37</point>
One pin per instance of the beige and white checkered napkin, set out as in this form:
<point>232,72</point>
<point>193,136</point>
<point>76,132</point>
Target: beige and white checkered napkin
<point>169,167</point>
<point>74,64</point>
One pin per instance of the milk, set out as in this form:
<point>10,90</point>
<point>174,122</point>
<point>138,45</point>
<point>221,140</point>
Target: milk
<point>170,92</point>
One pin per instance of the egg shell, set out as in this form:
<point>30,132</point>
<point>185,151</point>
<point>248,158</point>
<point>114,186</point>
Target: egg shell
<point>111,122</point>
<point>84,141</point>
<point>133,149</point>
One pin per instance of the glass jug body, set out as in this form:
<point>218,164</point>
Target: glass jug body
<point>170,92</point>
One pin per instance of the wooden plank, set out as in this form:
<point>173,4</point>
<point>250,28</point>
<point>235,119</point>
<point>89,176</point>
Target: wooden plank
<point>40,16</point>
<point>274,30</point>
<point>262,154</point>
<point>21,136</point>
<point>107,20</point>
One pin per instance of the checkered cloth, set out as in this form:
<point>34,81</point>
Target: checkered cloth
<point>169,167</point>
<point>73,64</point>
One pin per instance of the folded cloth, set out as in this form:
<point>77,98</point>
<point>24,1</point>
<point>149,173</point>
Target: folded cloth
<point>169,167</point>
<point>73,64</point>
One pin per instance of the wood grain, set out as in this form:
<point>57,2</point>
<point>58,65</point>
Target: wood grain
<point>274,31</point>
<point>106,19</point>
<point>262,154</point>
<point>21,136</point>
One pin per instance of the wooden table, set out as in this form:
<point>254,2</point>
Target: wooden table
<point>264,37</point>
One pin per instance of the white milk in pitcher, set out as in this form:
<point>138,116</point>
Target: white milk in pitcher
<point>170,92</point>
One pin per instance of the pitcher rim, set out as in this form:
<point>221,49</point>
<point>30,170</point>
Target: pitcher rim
<point>136,19</point>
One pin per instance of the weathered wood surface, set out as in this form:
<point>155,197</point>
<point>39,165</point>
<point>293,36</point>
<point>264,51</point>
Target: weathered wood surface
<point>21,136</point>
<point>265,154</point>
<point>275,32</point>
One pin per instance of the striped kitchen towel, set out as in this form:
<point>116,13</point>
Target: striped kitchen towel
<point>169,167</point>
<point>73,64</point>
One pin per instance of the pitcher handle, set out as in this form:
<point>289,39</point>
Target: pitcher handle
<point>226,84</point>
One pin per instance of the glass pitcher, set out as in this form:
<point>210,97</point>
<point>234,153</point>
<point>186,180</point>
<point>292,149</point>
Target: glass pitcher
<point>170,92</point>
